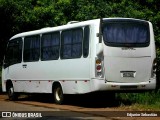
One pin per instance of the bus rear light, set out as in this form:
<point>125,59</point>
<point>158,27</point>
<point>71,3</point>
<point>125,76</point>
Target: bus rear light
<point>99,74</point>
<point>99,67</point>
<point>154,68</point>
<point>98,61</point>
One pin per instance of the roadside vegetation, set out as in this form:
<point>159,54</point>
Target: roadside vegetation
<point>140,101</point>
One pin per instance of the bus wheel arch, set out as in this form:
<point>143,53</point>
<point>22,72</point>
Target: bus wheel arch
<point>10,91</point>
<point>57,93</point>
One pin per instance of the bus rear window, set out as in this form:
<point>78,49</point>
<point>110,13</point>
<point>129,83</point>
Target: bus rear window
<point>129,33</point>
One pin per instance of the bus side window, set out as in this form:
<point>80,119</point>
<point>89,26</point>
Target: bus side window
<point>50,45</point>
<point>71,46</point>
<point>66,44</point>
<point>77,37</point>
<point>31,48</point>
<point>13,53</point>
<point>86,42</point>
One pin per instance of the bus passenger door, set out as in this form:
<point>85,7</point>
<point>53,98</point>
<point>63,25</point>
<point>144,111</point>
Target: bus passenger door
<point>12,61</point>
<point>30,64</point>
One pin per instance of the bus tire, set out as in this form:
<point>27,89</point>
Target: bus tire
<point>58,94</point>
<point>11,94</point>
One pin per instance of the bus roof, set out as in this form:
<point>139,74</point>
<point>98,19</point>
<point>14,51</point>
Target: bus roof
<point>57,28</point>
<point>63,27</point>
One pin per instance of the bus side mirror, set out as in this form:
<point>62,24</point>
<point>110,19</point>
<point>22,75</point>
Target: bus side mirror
<point>5,65</point>
<point>99,49</point>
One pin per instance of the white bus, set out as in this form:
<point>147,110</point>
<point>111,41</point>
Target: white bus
<point>109,54</point>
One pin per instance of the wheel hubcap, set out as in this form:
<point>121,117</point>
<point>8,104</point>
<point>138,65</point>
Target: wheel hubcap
<point>58,94</point>
<point>10,91</point>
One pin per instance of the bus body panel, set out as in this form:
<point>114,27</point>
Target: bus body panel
<point>119,60</point>
<point>40,74</point>
<point>56,70</point>
<point>116,66</point>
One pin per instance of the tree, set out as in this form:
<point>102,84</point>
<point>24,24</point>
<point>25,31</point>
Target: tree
<point>25,15</point>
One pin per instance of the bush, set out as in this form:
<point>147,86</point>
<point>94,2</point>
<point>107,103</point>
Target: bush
<point>146,98</point>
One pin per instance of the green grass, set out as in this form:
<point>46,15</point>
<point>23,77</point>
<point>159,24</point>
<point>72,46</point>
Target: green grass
<point>141,107</point>
<point>140,101</point>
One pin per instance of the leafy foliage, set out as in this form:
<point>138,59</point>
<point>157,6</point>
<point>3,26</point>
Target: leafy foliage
<point>19,16</point>
<point>147,99</point>
<point>25,15</point>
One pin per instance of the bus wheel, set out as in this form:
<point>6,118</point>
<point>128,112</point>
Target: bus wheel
<point>58,94</point>
<point>11,94</point>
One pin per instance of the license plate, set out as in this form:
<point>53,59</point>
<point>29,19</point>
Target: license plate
<point>128,74</point>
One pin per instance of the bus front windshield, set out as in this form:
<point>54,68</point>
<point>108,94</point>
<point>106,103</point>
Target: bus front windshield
<point>126,33</point>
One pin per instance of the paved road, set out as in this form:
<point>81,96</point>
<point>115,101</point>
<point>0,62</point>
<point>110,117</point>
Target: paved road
<point>24,108</point>
<point>54,114</point>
